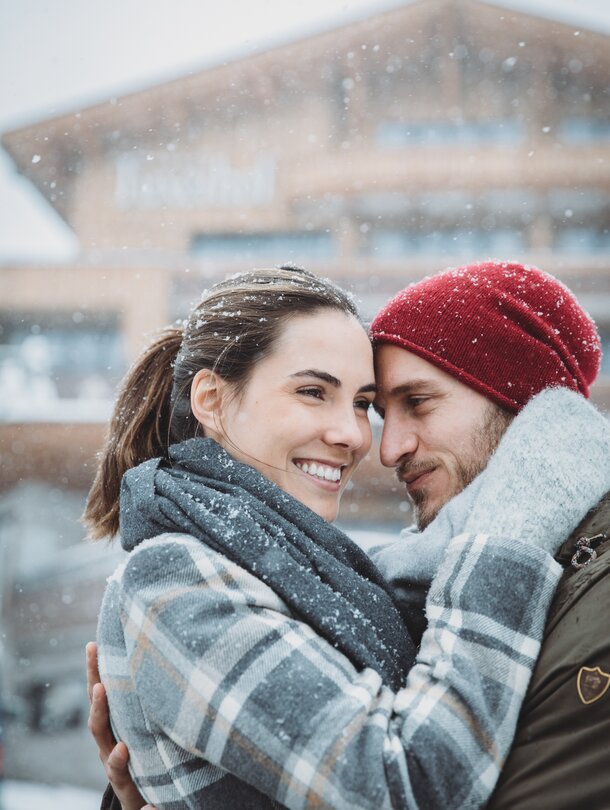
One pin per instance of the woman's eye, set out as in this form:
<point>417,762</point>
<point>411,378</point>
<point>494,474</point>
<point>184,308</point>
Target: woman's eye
<point>317,393</point>
<point>362,404</point>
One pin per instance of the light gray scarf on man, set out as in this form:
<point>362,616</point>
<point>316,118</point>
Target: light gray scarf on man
<point>551,467</point>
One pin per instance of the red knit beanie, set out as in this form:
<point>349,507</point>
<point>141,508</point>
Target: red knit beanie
<point>505,329</point>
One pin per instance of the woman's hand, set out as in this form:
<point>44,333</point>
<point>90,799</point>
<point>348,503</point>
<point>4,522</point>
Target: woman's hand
<point>114,756</point>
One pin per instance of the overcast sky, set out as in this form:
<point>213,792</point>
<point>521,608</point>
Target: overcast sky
<point>57,55</point>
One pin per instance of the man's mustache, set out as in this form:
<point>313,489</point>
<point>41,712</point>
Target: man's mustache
<point>410,468</point>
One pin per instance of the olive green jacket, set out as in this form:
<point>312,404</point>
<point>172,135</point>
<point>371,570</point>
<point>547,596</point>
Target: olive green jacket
<point>560,758</point>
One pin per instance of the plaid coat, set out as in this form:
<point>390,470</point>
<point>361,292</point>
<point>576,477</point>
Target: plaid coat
<point>226,700</point>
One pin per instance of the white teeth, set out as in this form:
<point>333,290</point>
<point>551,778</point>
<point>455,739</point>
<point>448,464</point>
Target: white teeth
<point>323,471</point>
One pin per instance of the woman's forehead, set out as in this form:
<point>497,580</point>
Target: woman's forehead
<point>328,341</point>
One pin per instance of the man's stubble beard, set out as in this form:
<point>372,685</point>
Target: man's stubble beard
<point>481,443</point>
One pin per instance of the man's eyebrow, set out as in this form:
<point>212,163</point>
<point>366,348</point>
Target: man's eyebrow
<point>413,387</point>
<point>331,380</point>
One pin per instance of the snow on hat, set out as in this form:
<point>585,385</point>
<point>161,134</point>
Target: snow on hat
<point>507,330</point>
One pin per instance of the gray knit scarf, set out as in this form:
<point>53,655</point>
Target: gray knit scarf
<point>327,581</point>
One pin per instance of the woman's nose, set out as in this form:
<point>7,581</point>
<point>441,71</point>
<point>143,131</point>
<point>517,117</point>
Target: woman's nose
<point>348,429</point>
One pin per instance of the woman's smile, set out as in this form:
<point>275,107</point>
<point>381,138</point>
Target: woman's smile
<point>322,472</point>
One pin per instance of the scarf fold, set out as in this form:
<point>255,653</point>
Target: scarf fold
<point>327,581</point>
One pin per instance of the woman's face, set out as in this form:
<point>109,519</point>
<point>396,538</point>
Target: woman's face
<point>302,419</point>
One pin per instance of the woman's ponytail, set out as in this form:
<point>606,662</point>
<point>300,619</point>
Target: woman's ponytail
<point>139,430</point>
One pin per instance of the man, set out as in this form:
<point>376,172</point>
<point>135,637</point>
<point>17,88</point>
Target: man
<point>457,355</point>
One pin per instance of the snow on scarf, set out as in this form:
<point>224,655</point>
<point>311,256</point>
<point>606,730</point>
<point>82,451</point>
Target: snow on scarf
<point>326,580</point>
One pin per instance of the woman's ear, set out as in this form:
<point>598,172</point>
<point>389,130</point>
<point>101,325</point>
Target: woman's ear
<point>207,391</point>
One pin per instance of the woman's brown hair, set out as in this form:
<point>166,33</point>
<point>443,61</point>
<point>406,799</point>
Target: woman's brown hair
<point>234,325</point>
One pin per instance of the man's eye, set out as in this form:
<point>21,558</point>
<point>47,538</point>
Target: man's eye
<point>415,402</point>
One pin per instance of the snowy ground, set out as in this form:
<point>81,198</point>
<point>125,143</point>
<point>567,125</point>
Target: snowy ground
<point>30,796</point>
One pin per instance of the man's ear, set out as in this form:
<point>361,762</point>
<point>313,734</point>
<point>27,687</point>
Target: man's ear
<point>207,391</point>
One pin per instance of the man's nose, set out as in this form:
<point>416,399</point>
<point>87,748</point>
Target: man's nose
<point>398,439</point>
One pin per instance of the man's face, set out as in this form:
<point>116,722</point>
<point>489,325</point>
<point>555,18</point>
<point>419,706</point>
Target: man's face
<point>438,433</point>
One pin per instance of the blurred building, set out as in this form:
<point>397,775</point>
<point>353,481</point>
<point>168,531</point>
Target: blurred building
<point>438,132</point>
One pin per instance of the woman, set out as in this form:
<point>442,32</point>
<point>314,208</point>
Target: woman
<point>251,654</point>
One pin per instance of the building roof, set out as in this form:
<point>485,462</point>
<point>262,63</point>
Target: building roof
<point>66,141</point>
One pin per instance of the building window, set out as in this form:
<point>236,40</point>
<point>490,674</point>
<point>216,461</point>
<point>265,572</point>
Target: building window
<point>48,358</point>
<point>584,130</point>
<point>450,242</point>
<point>298,246</point>
<point>582,241</point>
<point>397,134</point>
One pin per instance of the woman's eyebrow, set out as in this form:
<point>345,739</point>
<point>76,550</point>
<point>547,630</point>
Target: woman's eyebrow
<point>321,375</point>
<point>329,378</point>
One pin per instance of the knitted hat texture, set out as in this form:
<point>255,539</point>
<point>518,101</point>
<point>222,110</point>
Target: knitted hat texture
<point>507,330</point>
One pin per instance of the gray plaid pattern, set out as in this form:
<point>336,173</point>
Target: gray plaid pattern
<point>226,700</point>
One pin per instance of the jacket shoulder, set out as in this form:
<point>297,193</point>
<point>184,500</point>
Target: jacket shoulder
<point>559,756</point>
